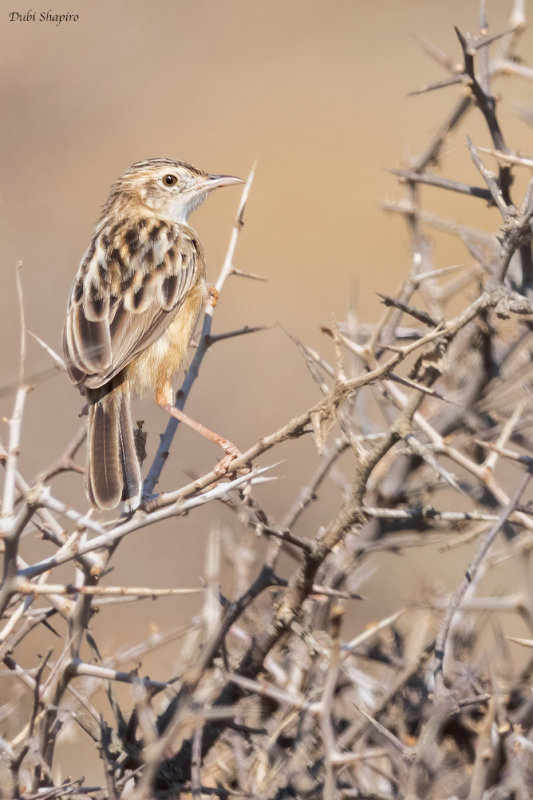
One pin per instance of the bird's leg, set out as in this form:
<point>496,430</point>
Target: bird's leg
<point>231,451</point>
<point>213,295</point>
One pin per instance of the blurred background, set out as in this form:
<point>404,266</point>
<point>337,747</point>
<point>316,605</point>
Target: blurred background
<point>315,92</point>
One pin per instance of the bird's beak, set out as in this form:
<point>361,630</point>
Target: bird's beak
<point>215,181</point>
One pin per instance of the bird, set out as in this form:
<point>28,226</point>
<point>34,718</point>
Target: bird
<point>132,311</point>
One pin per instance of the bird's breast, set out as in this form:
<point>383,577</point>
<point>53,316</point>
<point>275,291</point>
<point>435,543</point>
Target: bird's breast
<point>156,366</point>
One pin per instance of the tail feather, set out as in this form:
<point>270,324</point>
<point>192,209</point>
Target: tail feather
<point>113,474</point>
<point>131,472</point>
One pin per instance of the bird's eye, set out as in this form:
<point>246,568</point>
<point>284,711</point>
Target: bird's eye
<point>170,180</point>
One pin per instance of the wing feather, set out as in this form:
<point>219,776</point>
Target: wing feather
<point>128,290</point>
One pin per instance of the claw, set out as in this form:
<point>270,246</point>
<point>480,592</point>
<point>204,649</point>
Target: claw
<point>224,465</point>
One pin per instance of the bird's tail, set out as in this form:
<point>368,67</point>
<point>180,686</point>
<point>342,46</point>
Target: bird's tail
<point>113,473</point>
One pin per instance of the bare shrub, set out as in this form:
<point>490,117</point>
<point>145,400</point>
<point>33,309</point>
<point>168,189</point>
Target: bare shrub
<point>271,700</point>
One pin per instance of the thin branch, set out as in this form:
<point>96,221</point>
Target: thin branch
<point>469,579</point>
<point>192,373</point>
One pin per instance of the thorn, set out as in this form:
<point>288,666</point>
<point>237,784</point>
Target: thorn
<point>240,274</point>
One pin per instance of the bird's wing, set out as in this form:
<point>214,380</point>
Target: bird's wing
<point>130,285</point>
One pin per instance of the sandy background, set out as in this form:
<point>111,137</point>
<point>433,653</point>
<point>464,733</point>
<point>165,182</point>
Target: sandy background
<point>315,91</point>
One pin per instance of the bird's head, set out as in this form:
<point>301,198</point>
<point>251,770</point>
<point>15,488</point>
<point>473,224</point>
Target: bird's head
<point>170,189</point>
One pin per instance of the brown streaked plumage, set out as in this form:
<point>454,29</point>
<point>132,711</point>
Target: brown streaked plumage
<point>132,311</point>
